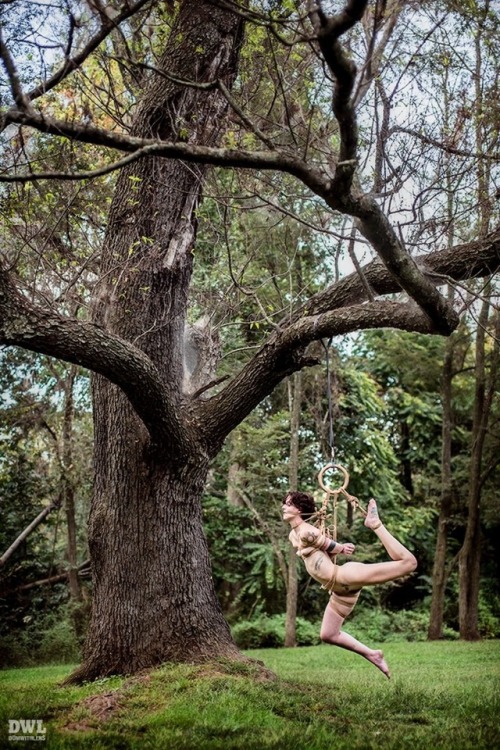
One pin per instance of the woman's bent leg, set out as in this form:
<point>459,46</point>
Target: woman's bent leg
<point>332,633</point>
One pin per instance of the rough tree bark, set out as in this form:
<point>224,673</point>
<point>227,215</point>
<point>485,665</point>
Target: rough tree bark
<point>154,598</point>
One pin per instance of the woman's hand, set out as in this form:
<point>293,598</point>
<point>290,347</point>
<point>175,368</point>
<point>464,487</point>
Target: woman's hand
<point>347,549</point>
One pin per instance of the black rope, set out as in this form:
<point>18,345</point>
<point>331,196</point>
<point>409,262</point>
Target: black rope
<point>331,437</point>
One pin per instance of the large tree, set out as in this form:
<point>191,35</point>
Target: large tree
<point>158,423</point>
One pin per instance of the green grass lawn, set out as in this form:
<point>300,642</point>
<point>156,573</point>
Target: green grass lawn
<point>442,695</point>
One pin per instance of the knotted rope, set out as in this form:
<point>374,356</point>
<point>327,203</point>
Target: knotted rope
<point>331,495</point>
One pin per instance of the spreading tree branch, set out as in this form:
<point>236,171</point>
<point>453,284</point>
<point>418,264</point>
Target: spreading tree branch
<point>335,312</point>
<point>470,260</point>
<point>375,227</point>
<point>285,352</point>
<point>24,324</point>
<point>372,222</point>
<point>188,152</point>
<point>449,148</point>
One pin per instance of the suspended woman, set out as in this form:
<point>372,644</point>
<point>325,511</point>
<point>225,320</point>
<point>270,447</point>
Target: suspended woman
<point>344,582</point>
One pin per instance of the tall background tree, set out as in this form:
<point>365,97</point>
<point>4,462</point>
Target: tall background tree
<point>153,91</point>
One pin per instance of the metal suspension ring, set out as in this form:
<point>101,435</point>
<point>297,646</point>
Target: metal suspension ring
<point>336,467</point>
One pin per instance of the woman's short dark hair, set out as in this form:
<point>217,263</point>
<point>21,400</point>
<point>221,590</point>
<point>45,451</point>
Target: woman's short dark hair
<point>304,502</point>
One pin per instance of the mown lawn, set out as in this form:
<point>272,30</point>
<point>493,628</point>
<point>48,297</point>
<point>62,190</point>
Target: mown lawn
<point>442,695</point>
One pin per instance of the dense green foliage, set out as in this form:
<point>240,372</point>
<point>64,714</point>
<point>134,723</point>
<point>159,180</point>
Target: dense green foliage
<point>36,623</point>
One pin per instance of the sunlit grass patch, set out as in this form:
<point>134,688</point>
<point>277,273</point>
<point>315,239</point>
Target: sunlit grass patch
<point>442,695</point>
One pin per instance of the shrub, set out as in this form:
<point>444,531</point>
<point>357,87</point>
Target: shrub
<point>488,615</point>
<point>15,651</point>
<point>269,632</point>
<point>49,638</point>
<point>58,643</point>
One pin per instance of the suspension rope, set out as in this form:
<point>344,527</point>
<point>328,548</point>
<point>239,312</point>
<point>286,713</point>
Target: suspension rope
<point>331,437</point>
<point>332,493</point>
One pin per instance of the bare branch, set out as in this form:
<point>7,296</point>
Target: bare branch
<point>329,30</point>
<point>74,176</point>
<point>188,152</point>
<point>71,64</point>
<point>27,531</point>
<point>371,69</point>
<point>83,572</point>
<point>20,98</point>
<point>374,225</point>
<point>447,147</point>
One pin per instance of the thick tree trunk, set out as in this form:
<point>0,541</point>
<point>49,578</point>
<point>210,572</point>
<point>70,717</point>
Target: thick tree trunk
<point>154,598</point>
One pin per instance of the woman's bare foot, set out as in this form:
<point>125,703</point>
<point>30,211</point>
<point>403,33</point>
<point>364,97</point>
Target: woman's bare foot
<point>372,520</point>
<point>377,658</point>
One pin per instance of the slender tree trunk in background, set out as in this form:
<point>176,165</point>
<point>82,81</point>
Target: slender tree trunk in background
<point>405,470</point>
<point>295,400</point>
<point>233,482</point>
<point>439,575</point>
<point>230,591</point>
<point>68,502</point>
<point>154,598</point>
<point>291,601</point>
<point>440,572</point>
<point>68,490</point>
<point>470,553</point>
